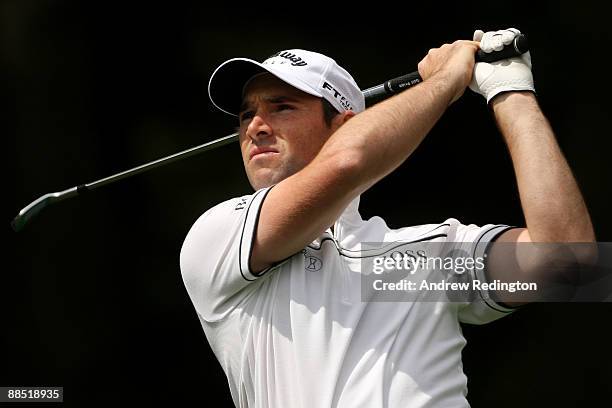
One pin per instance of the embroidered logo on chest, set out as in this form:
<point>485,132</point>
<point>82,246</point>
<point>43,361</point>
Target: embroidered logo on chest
<point>311,262</point>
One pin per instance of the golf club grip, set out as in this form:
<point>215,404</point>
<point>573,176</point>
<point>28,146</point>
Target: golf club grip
<point>375,94</point>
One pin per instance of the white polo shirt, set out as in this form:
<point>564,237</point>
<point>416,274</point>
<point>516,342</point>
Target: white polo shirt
<point>303,334</point>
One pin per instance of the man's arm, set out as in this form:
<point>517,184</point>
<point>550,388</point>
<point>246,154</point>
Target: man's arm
<point>364,150</point>
<point>552,204</point>
<point>551,200</point>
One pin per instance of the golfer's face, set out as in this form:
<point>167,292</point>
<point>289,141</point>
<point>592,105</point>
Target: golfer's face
<point>281,130</point>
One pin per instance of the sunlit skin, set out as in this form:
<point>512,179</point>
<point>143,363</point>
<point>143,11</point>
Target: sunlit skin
<point>281,130</point>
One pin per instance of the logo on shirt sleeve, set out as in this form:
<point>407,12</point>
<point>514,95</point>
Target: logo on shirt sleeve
<point>241,204</point>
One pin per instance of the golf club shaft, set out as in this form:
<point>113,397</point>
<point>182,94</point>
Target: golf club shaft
<point>37,205</point>
<point>372,95</point>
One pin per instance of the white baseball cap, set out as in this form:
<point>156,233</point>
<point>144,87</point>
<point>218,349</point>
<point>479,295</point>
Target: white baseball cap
<point>311,72</point>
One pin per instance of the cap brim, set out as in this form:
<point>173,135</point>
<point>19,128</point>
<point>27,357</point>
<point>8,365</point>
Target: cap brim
<point>227,83</point>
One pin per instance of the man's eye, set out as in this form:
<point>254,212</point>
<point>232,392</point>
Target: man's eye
<point>284,107</point>
<point>246,115</point>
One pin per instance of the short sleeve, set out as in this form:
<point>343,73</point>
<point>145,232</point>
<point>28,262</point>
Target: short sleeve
<point>214,258</point>
<point>475,240</point>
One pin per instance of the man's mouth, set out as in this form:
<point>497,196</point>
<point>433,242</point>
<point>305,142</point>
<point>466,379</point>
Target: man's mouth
<point>262,151</point>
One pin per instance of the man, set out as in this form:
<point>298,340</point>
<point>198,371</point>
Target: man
<point>275,277</point>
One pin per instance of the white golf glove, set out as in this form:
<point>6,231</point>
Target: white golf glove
<point>512,74</point>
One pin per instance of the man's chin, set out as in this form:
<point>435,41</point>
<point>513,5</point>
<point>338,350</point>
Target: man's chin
<point>260,181</point>
<point>266,178</point>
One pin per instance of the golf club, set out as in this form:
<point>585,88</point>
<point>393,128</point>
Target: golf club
<point>372,95</point>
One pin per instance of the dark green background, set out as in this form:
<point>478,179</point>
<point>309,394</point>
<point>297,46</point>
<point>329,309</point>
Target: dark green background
<point>93,298</point>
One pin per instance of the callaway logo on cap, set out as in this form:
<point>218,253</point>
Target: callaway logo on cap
<point>307,71</point>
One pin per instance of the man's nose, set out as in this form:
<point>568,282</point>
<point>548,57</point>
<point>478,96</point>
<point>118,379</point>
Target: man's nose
<point>259,128</point>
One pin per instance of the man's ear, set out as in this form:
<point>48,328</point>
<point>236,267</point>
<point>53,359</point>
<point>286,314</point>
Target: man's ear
<point>346,115</point>
<point>342,118</point>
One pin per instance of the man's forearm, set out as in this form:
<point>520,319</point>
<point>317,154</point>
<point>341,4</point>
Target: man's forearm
<point>551,200</point>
